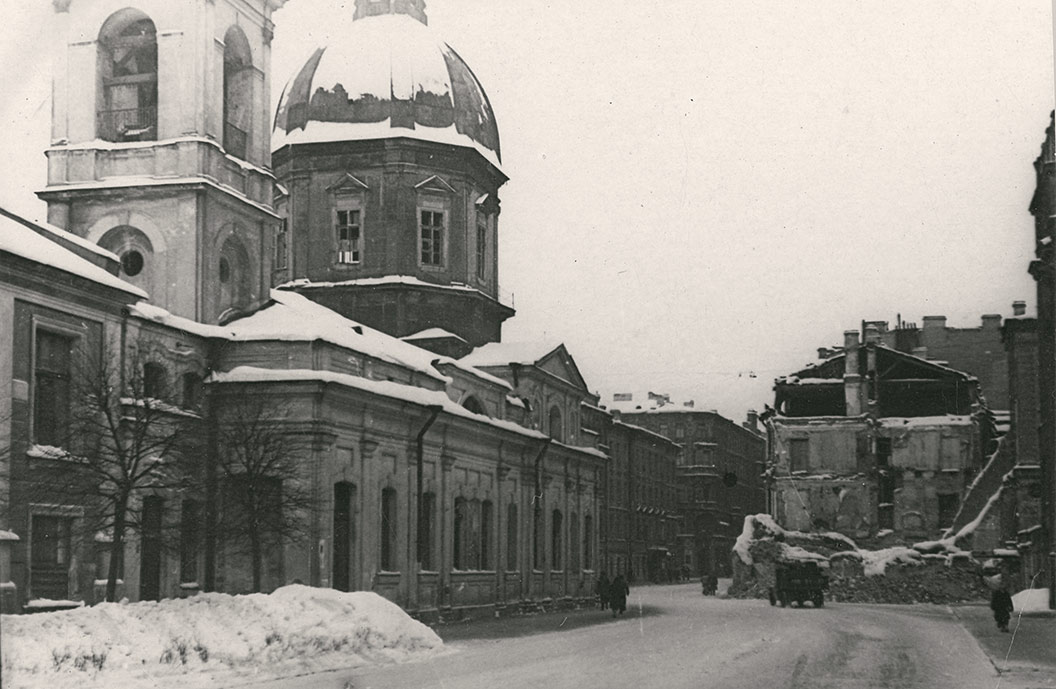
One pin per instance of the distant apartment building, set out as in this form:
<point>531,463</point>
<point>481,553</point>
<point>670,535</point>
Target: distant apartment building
<point>719,469</point>
<point>641,519</point>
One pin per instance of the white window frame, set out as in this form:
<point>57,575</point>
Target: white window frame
<point>353,255</point>
<point>439,207</point>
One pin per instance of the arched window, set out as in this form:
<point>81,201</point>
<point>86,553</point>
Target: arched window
<point>555,541</point>
<point>232,272</point>
<point>127,66</point>
<point>555,423</point>
<point>473,404</point>
<point>155,381</point>
<point>238,92</point>
<point>135,251</point>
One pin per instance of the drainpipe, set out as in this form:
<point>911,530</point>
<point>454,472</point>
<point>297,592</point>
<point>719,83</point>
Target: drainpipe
<point>434,412</point>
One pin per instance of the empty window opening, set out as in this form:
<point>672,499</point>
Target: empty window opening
<point>128,72</point>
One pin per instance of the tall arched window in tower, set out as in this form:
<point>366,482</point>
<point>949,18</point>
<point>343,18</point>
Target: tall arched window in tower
<point>232,274</point>
<point>127,106</point>
<point>238,92</point>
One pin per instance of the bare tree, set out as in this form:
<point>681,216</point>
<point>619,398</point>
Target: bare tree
<point>123,441</point>
<point>265,498</point>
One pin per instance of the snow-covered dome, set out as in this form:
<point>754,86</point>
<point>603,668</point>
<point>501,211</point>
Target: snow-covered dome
<point>389,76</point>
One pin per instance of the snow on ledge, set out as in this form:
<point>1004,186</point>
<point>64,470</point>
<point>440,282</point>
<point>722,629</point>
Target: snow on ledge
<point>1031,600</point>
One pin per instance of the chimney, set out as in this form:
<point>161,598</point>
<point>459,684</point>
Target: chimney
<point>920,352</point>
<point>852,381</point>
<point>752,423</point>
<point>934,322</point>
<point>991,321</point>
<point>1019,308</point>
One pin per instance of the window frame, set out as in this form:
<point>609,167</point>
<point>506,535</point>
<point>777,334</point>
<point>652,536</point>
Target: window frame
<point>483,225</point>
<point>75,338</point>
<point>353,254</point>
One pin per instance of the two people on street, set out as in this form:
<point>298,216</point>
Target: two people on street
<point>613,594</point>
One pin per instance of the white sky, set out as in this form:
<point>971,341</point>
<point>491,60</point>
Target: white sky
<point>701,189</point>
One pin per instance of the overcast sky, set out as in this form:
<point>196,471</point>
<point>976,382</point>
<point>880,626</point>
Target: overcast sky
<point>706,190</point>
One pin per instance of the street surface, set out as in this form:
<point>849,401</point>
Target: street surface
<point>674,637</point>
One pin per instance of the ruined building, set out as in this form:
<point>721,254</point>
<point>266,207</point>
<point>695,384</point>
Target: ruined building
<point>875,442</point>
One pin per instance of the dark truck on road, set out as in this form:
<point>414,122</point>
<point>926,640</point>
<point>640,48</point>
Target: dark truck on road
<point>798,582</point>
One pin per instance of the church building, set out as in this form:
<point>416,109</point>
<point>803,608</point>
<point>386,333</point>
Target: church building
<point>352,295</point>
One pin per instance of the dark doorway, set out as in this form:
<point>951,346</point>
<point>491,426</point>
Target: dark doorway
<point>50,565</point>
<point>150,552</point>
<point>343,494</point>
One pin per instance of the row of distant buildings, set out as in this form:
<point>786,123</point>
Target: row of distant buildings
<point>348,297</point>
<point>914,433</point>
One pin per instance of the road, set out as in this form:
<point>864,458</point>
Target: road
<point>673,637</point>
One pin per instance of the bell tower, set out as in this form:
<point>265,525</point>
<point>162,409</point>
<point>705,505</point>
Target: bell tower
<point>370,8</point>
<point>160,145</point>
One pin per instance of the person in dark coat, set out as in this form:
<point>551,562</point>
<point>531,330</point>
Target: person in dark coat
<point>602,589</point>
<point>618,592</point>
<point>1001,604</point>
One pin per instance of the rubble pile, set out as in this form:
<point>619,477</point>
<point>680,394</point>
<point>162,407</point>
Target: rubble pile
<point>934,572</point>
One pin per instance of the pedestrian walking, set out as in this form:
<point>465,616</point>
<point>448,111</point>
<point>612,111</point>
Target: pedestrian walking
<point>1001,604</point>
<point>602,589</point>
<point>618,592</point>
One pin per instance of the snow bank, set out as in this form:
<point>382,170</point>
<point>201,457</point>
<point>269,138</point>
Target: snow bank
<point>875,562</point>
<point>198,639</point>
<point>1031,600</point>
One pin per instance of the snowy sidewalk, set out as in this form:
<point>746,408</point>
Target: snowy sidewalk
<point>1027,652</point>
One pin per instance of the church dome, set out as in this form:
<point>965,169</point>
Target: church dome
<point>389,76</point>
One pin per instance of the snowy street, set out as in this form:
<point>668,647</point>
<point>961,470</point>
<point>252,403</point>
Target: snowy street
<point>673,637</point>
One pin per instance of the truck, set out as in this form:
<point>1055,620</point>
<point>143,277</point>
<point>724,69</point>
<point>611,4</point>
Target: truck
<point>797,582</point>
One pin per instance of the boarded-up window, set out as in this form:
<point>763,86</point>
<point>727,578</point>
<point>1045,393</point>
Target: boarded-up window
<point>948,504</point>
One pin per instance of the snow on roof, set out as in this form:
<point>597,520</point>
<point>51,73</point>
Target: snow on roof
<point>101,145</point>
<point>211,639</point>
<point>1031,600</point>
<point>641,429</point>
<point>920,421</point>
<point>159,315</point>
<point>378,282</point>
<point>9,536</point>
<point>292,317</point>
<point>432,334</point>
<point>505,353</point>
<point>63,234</point>
<point>406,393</point>
<point>16,237</point>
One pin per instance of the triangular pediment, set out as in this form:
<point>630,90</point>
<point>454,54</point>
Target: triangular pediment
<point>436,185</point>
<point>349,184</point>
<point>561,364</point>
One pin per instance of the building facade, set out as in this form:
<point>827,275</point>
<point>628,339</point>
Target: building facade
<point>719,471</point>
<point>875,443</point>
<point>438,483</point>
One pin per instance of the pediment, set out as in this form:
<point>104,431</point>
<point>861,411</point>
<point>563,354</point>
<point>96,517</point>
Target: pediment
<point>348,183</point>
<point>561,364</point>
<point>436,185</point>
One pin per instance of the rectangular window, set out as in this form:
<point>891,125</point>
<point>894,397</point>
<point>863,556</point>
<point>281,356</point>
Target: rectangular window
<point>426,535</point>
<point>388,530</point>
<point>485,534</point>
<point>588,542</point>
<point>347,228</point>
<point>511,538</point>
<point>482,246</point>
<point>282,241</point>
<point>190,538</point>
<point>432,233</point>
<point>51,396</point>
<point>798,454</point>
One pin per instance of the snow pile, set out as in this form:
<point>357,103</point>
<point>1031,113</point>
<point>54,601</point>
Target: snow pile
<point>294,629</point>
<point>875,562</point>
<point>1031,600</point>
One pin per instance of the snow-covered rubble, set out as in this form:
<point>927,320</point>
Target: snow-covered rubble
<point>198,640</point>
<point>933,571</point>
